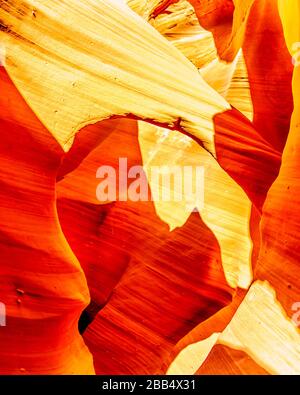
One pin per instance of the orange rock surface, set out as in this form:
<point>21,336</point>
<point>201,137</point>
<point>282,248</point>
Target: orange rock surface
<point>149,286</point>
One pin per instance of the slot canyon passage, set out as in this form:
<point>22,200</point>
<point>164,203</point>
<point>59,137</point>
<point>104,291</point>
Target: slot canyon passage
<point>150,187</point>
